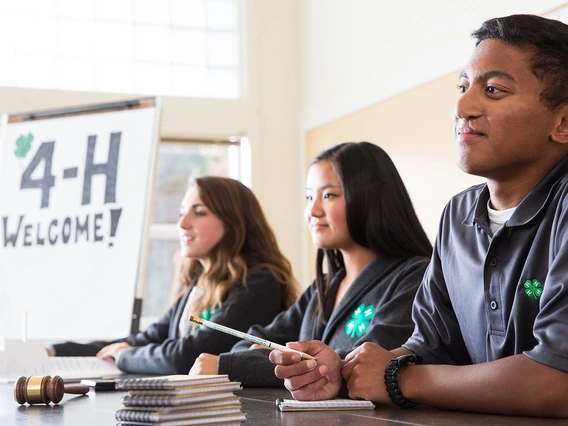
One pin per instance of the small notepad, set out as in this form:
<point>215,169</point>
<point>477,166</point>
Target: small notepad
<point>326,405</point>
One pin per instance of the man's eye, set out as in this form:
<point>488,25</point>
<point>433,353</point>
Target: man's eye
<point>492,90</point>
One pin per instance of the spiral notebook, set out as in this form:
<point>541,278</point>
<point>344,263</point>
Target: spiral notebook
<point>226,419</point>
<point>173,400</point>
<point>172,382</point>
<point>133,415</point>
<point>326,405</point>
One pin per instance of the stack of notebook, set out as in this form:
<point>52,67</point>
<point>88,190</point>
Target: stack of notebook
<point>180,400</point>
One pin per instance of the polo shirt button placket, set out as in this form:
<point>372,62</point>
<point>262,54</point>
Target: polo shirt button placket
<point>493,305</point>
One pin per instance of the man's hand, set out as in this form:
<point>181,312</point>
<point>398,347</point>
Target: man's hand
<point>309,380</point>
<point>364,372</point>
<point>205,364</point>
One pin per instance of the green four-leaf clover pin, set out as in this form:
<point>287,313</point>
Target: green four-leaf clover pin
<point>359,322</point>
<point>208,312</point>
<point>533,288</point>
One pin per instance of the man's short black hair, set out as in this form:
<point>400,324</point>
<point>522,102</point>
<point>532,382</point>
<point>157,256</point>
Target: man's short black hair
<point>546,40</point>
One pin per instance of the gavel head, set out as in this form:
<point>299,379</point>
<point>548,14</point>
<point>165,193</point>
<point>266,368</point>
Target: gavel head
<point>38,389</point>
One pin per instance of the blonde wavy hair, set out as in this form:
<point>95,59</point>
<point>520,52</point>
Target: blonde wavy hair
<point>248,244</point>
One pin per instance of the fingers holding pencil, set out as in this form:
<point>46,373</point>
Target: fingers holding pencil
<point>309,350</point>
<point>318,378</point>
<point>305,377</point>
<point>245,336</point>
<point>295,370</point>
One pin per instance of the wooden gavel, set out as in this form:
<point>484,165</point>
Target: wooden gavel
<point>44,389</point>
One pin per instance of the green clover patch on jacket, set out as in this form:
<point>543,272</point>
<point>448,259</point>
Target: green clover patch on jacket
<point>360,319</point>
<point>208,312</point>
<point>533,288</point>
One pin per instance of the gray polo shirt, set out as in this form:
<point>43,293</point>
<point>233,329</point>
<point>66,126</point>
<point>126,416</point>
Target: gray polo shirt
<point>484,298</point>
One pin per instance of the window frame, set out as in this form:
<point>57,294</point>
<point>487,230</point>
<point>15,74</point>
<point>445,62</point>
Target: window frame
<point>159,231</point>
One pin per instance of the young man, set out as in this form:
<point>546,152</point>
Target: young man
<point>492,312</point>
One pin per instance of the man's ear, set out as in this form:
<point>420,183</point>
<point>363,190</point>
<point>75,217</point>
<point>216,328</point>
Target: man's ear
<point>560,133</point>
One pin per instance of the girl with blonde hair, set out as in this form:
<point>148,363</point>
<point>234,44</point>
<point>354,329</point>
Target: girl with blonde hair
<point>231,272</point>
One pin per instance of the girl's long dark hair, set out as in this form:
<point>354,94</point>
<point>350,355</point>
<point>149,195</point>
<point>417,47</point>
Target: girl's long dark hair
<point>379,213</point>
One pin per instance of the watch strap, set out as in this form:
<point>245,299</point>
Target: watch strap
<point>391,380</point>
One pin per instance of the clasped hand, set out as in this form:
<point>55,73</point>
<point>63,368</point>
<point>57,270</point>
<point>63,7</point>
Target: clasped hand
<point>308,380</point>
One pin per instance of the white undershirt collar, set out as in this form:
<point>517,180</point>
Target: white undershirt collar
<point>498,217</point>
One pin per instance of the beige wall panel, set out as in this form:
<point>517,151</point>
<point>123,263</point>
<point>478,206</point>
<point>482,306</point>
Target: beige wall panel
<point>416,130</point>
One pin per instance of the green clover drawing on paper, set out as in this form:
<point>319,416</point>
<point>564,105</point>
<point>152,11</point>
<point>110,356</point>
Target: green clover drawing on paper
<point>359,322</point>
<point>533,288</point>
<point>23,145</point>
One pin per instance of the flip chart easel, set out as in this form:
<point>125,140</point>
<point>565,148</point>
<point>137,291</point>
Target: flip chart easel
<point>75,188</point>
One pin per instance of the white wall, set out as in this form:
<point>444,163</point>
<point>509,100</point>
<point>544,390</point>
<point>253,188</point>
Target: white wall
<point>309,62</point>
<point>386,72</point>
<point>268,114</point>
<point>356,53</point>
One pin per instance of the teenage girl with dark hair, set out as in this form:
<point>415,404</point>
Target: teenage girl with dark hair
<point>363,223</point>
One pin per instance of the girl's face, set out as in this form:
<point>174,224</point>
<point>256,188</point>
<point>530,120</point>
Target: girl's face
<point>199,229</point>
<point>325,209</point>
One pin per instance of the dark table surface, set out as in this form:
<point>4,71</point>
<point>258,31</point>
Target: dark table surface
<point>98,408</point>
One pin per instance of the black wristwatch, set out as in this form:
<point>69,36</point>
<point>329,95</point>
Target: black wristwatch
<point>391,381</point>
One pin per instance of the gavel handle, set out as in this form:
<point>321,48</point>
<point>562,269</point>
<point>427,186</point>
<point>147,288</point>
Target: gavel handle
<point>76,389</point>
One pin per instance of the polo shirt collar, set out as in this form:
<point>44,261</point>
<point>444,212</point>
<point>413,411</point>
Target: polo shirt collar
<point>531,205</point>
